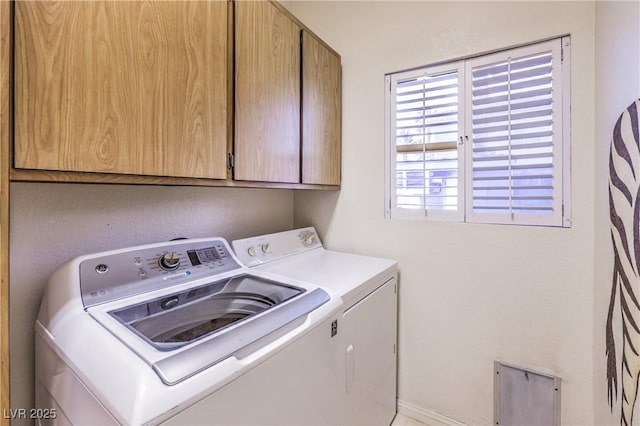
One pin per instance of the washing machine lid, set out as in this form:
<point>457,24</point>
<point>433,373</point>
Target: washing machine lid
<point>201,326</point>
<point>175,320</point>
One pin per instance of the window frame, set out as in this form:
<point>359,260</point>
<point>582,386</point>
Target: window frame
<point>561,216</point>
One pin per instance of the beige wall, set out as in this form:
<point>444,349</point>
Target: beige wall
<point>469,294</point>
<point>51,223</point>
<point>617,59</point>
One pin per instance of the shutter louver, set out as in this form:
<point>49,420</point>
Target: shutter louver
<point>512,126</point>
<point>426,133</point>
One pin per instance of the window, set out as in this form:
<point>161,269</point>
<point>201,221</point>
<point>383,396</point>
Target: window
<point>482,140</point>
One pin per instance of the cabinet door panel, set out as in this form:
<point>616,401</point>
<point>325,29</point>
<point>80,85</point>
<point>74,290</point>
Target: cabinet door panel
<point>122,87</point>
<point>321,113</point>
<point>267,90</point>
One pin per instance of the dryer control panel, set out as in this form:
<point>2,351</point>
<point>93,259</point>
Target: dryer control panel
<point>117,274</point>
<point>267,248</point>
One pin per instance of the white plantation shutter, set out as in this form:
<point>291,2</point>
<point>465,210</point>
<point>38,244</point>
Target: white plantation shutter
<point>425,126</point>
<point>515,128</point>
<point>482,140</point>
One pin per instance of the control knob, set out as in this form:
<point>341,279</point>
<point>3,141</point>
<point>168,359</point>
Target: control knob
<point>307,237</point>
<point>169,261</point>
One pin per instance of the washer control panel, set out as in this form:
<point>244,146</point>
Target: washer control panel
<point>119,274</point>
<point>266,248</point>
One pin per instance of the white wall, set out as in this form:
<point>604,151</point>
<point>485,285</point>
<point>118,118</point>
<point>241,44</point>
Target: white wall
<point>617,59</point>
<point>469,294</point>
<point>51,223</point>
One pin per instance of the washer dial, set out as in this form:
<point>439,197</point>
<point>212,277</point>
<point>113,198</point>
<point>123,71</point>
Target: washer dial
<point>169,261</point>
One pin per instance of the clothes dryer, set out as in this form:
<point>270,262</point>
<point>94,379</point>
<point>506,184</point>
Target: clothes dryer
<point>367,326</point>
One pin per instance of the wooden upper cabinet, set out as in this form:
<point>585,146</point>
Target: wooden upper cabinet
<point>267,94</point>
<point>126,87</point>
<point>321,112</point>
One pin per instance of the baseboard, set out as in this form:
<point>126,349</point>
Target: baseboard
<point>426,416</point>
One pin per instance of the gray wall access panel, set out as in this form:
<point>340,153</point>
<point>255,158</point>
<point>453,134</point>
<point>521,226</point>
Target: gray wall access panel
<point>524,397</point>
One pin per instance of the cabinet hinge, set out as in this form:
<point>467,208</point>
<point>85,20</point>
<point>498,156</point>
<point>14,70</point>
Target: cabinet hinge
<point>230,161</point>
<point>394,348</point>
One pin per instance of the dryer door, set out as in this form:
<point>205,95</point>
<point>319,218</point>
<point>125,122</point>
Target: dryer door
<point>369,338</point>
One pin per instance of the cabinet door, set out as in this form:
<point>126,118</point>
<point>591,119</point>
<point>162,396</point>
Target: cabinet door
<point>267,91</point>
<point>126,87</point>
<point>321,113</point>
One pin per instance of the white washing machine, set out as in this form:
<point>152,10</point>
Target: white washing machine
<point>183,333</point>
<point>367,327</point>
